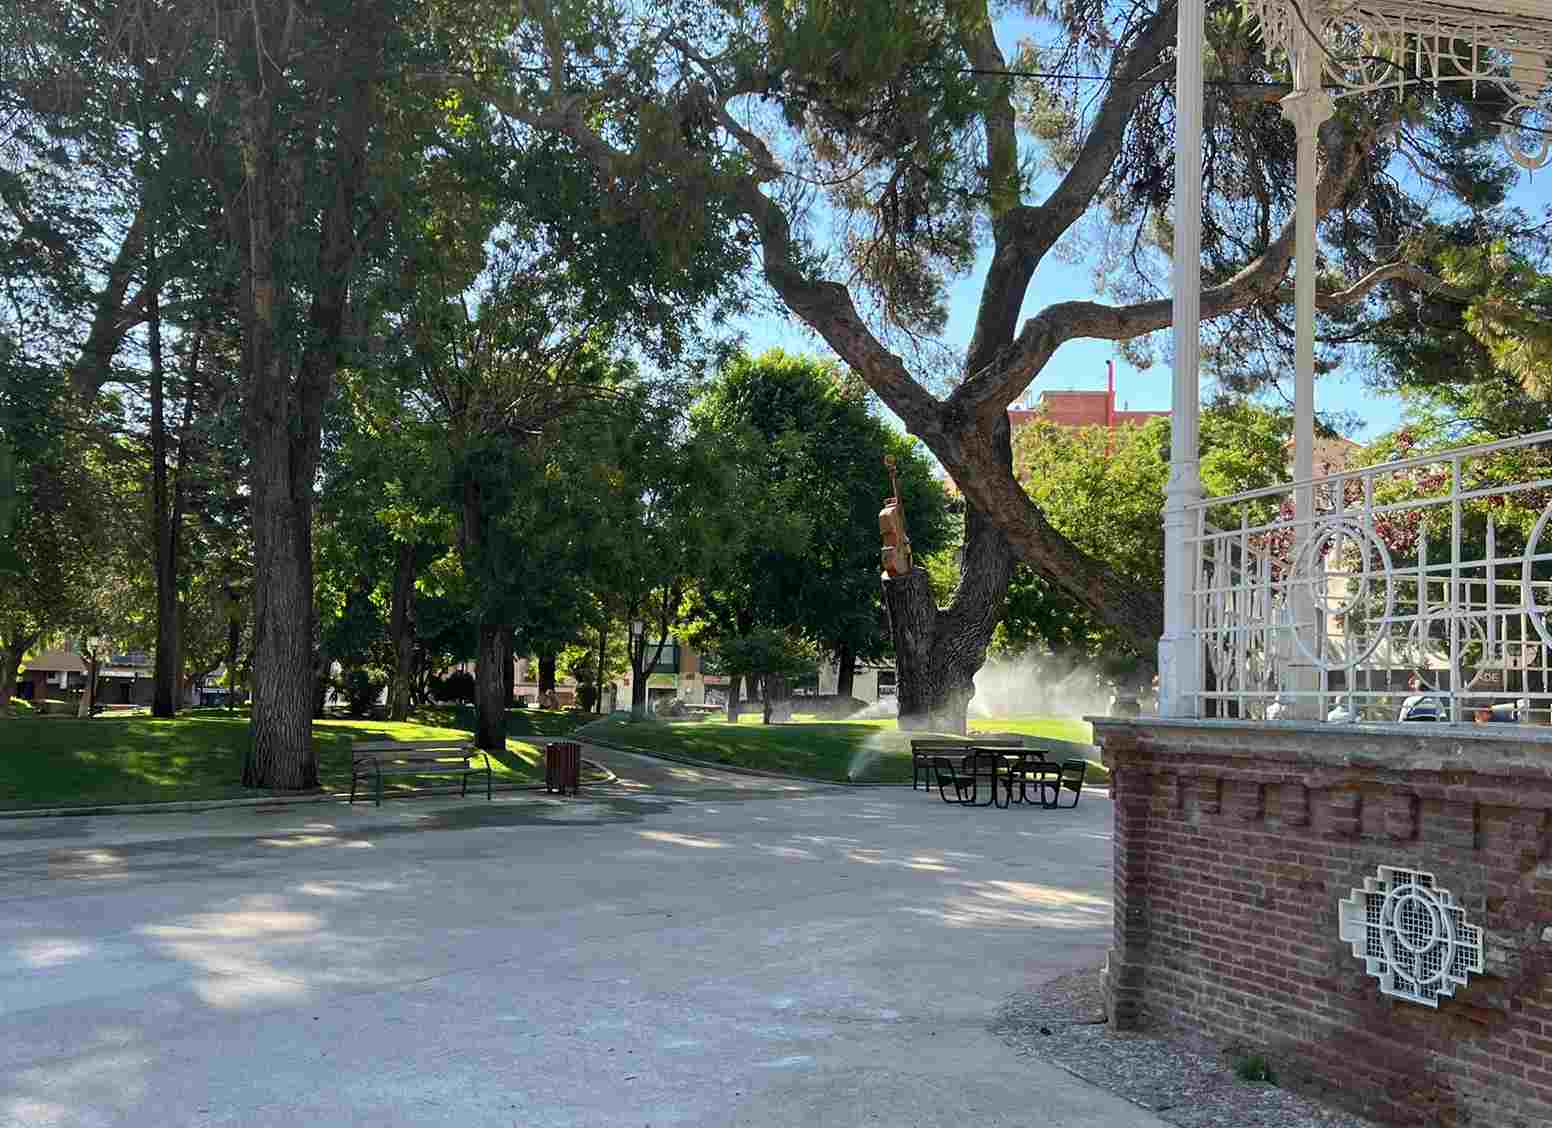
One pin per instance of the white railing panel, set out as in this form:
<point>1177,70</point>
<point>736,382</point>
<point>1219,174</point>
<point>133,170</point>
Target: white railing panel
<point>1422,584</point>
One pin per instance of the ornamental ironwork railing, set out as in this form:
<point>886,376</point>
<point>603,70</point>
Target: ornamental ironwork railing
<point>1371,45</point>
<point>1417,588</point>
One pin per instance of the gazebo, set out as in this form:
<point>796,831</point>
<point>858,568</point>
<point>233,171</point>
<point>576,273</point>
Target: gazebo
<point>1300,872</point>
<point>1293,602</point>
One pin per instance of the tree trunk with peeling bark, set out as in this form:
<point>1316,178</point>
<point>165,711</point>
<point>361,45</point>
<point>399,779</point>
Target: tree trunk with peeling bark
<point>938,651</point>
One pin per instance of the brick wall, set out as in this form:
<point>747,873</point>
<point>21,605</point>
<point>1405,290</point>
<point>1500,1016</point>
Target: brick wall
<point>1233,846</point>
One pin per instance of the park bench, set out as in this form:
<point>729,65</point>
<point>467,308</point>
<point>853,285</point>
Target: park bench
<point>373,759</point>
<point>702,712</point>
<point>923,751</point>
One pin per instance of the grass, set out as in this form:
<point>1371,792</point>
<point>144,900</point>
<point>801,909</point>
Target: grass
<point>63,761</point>
<point>875,750</point>
<point>1254,1069</point>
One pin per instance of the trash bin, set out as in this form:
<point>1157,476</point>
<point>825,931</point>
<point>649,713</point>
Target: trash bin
<point>562,766</point>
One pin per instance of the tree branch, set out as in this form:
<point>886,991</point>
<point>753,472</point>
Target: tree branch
<point>1260,280</point>
<point>1024,234</point>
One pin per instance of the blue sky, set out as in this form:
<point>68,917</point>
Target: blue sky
<point>1081,364</point>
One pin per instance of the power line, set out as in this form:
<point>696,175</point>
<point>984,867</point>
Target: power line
<point>1060,76</point>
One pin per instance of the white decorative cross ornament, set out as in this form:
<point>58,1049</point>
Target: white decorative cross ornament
<point>1411,935</point>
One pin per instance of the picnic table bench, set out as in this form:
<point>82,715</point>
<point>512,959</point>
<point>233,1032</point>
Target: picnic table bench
<point>1003,765</point>
<point>373,759</point>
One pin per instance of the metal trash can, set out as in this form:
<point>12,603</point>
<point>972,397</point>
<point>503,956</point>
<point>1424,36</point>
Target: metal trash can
<point>563,766</point>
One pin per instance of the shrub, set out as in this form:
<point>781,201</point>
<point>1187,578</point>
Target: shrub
<point>458,686</point>
<point>361,691</point>
<point>1254,1068</point>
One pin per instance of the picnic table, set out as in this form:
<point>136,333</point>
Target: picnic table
<point>997,770</point>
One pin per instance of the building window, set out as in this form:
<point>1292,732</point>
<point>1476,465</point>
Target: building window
<point>668,661</point>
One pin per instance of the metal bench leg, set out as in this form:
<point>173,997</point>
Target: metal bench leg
<point>352,786</point>
<point>464,794</point>
<point>487,779</point>
<point>379,787</point>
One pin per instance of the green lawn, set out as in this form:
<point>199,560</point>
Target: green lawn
<point>63,761</point>
<point>871,751</point>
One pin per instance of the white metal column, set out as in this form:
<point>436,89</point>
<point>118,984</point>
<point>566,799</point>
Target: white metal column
<point>1307,107</point>
<point>1180,660</point>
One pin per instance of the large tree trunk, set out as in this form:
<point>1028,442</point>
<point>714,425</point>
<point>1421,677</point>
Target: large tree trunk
<point>323,669</point>
<point>735,706</point>
<point>638,696</point>
<point>546,673</point>
<point>602,679</point>
<point>490,707</point>
<point>233,639</point>
<point>778,704</point>
<point>401,630</point>
<point>845,669</point>
<point>508,670</point>
<point>937,652</point>
<point>164,535</point>
<point>10,661</point>
<point>285,394</point>
<point>89,691</point>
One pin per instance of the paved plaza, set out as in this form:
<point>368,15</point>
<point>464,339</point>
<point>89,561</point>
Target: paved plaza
<point>681,947</point>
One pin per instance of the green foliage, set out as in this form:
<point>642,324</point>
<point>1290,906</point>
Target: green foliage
<point>1254,1069</point>
<point>810,478</point>
<point>763,652</point>
<point>1477,357</point>
<point>457,686</point>
<point>1105,493</point>
<point>361,691</point>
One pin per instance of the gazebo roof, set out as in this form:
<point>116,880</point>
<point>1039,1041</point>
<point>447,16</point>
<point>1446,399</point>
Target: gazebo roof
<point>1370,45</point>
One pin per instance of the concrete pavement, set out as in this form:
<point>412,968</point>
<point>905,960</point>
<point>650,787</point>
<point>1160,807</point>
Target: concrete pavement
<point>684,947</point>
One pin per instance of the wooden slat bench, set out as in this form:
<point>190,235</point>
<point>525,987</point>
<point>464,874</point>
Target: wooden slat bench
<point>373,759</point>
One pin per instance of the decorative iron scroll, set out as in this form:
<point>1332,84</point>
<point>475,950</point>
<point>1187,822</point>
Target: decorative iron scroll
<point>1370,45</point>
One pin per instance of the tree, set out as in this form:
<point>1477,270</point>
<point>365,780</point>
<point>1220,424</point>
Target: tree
<point>671,518</point>
<point>283,111</point>
<point>58,548</point>
<point>1477,357</point>
<point>906,119</point>
<point>811,477</point>
<point>1104,492</point>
